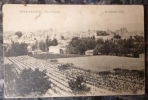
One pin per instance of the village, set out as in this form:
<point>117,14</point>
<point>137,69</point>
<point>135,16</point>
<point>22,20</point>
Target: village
<point>64,38</point>
<point>97,58</point>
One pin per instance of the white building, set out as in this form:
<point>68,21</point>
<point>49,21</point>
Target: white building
<point>89,52</point>
<point>54,49</point>
<point>57,49</point>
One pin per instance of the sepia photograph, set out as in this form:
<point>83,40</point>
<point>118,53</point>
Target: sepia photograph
<point>77,50</point>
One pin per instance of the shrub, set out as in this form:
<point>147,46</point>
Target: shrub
<point>19,34</point>
<point>27,82</point>
<point>78,85</point>
<point>64,66</point>
<point>31,81</point>
<point>53,61</point>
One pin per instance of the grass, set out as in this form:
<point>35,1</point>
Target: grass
<point>55,56</point>
<point>96,63</point>
<point>105,63</point>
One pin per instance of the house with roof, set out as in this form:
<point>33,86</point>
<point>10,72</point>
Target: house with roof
<point>59,49</point>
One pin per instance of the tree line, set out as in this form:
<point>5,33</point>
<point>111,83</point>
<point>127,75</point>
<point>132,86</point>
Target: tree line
<point>18,49</point>
<point>132,46</point>
<point>44,46</point>
<point>80,45</point>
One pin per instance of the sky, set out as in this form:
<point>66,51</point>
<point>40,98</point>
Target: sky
<point>72,18</point>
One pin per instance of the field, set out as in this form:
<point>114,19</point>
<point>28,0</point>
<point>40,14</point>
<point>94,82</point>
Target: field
<point>96,63</point>
<point>117,82</point>
<point>104,63</point>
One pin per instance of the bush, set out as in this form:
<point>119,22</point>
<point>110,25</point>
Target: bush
<point>64,66</point>
<point>31,81</point>
<point>53,61</point>
<point>78,86</point>
<point>27,82</point>
<point>42,46</point>
<point>19,34</point>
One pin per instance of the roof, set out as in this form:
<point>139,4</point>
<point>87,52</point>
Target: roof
<point>89,51</point>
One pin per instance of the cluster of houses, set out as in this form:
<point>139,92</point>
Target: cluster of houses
<point>122,32</point>
<point>40,35</point>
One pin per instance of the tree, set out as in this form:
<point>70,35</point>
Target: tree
<point>64,66</point>
<point>54,42</point>
<point>35,46</point>
<point>42,46</point>
<point>32,81</point>
<point>82,47</point>
<point>100,41</point>
<point>75,41</point>
<point>97,49</point>
<point>71,50</point>
<point>106,49</point>
<point>17,49</point>
<point>19,34</point>
<point>117,37</point>
<point>99,46</point>
<point>78,85</point>
<point>62,37</point>
<point>129,45</point>
<point>90,43</point>
<point>47,40</point>
<point>48,43</point>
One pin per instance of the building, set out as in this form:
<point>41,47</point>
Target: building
<point>29,48</point>
<point>89,52</point>
<point>59,49</point>
<point>54,49</point>
<point>104,35</point>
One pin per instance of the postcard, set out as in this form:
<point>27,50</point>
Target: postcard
<point>73,50</point>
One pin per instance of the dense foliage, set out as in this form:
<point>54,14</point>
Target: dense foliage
<point>16,49</point>
<point>19,34</point>
<point>64,66</point>
<point>78,85</point>
<point>132,46</point>
<point>44,46</point>
<point>80,45</point>
<point>30,81</point>
<point>27,82</point>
